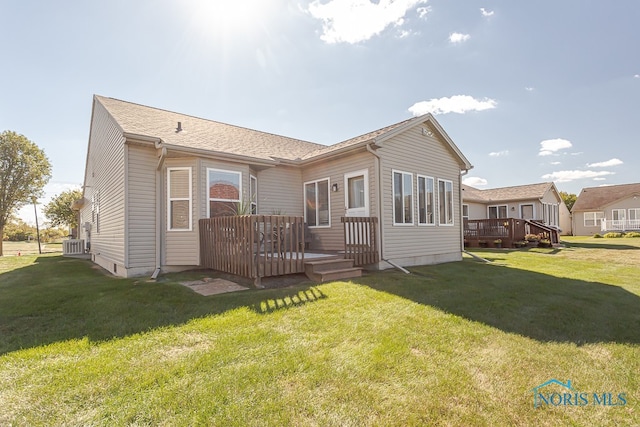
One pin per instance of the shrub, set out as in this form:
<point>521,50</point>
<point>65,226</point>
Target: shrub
<point>597,236</point>
<point>544,243</point>
<point>531,237</point>
<point>613,235</point>
<point>632,234</point>
<point>520,243</point>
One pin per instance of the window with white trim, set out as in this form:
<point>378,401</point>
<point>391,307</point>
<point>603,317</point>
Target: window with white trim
<point>426,200</point>
<point>618,214</point>
<point>316,206</point>
<point>253,194</point>
<point>402,198</point>
<point>593,219</point>
<point>497,211</point>
<point>445,202</point>
<point>465,212</point>
<point>179,188</point>
<point>95,210</point>
<point>634,214</point>
<point>224,192</point>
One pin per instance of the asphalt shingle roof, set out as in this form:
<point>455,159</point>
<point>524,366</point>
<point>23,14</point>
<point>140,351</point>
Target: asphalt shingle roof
<point>598,197</point>
<point>519,192</point>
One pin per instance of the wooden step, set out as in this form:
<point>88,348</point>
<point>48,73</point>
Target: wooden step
<point>337,274</point>
<point>327,264</point>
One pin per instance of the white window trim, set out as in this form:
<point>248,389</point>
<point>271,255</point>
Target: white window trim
<point>365,173</point>
<point>533,210</point>
<point>463,216</point>
<point>624,214</point>
<point>171,199</point>
<point>253,198</point>
<point>433,202</point>
<point>304,198</point>
<point>393,200</point>
<point>446,205</point>
<point>595,219</point>
<point>636,214</point>
<point>209,199</point>
<point>506,209</point>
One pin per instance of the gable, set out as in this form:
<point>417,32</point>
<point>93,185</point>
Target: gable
<point>597,198</point>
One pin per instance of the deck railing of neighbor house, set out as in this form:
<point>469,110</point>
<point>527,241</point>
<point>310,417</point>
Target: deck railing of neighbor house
<point>620,225</point>
<point>73,247</point>
<point>360,240</point>
<point>253,246</point>
<point>508,230</point>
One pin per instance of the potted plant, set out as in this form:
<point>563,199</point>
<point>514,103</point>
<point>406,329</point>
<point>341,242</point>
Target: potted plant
<point>520,243</point>
<point>482,243</point>
<point>544,243</point>
<point>532,239</point>
<point>497,243</point>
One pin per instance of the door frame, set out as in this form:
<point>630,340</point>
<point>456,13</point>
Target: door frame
<point>367,206</point>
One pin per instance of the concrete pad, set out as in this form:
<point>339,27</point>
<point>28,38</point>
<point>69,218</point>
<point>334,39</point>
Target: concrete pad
<point>209,286</point>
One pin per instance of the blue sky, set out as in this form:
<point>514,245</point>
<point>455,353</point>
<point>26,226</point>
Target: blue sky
<point>529,91</point>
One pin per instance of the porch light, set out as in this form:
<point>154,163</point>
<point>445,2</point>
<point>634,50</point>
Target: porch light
<point>334,187</point>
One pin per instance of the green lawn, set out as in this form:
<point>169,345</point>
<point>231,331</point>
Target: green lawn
<point>454,344</point>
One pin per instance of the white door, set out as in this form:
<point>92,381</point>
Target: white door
<point>356,193</point>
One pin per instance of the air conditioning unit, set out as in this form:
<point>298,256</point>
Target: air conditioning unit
<point>86,226</point>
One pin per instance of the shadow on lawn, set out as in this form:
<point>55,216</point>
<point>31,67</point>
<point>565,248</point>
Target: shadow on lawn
<point>57,299</point>
<point>588,245</point>
<point>539,306</point>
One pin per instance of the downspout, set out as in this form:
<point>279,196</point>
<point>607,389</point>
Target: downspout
<point>159,199</point>
<point>378,165</point>
<point>462,173</point>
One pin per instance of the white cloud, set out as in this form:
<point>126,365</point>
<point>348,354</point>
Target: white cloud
<point>567,176</point>
<point>456,104</point>
<point>458,37</point>
<point>636,76</point>
<point>529,89</point>
<point>612,162</point>
<point>599,179</point>
<point>556,163</point>
<point>353,21</point>
<point>499,153</point>
<point>423,11</point>
<point>474,181</point>
<point>486,13</point>
<point>550,146</point>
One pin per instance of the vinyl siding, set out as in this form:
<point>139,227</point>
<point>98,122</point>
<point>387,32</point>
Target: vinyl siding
<point>105,176</point>
<point>578,217</point>
<point>333,238</point>
<point>477,210</point>
<point>416,153</point>
<point>141,207</point>
<point>181,248</point>
<point>280,190</point>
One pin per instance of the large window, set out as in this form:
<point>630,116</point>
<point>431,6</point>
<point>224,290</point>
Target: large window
<point>225,192</point>
<point>316,206</point>
<point>498,211</point>
<point>465,212</point>
<point>445,202</point>
<point>426,203</point>
<point>634,214</point>
<point>402,198</point>
<point>618,214</point>
<point>593,219</point>
<point>179,198</point>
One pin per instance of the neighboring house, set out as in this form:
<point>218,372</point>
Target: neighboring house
<point>538,202</point>
<point>152,174</point>
<point>607,208</point>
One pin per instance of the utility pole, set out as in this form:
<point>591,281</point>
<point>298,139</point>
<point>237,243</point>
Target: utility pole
<point>35,209</point>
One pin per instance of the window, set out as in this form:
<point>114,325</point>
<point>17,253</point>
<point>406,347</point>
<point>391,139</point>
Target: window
<point>465,212</point>
<point>498,211</point>
<point>426,206</point>
<point>224,192</point>
<point>592,219</point>
<point>316,206</point>
<point>445,201</point>
<point>618,214</point>
<point>253,192</point>
<point>526,211</point>
<point>634,214</point>
<point>179,199</point>
<point>95,210</point>
<point>402,198</point>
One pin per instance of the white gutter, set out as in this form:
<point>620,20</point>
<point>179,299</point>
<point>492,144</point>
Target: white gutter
<point>159,199</point>
<point>462,173</point>
<point>378,164</point>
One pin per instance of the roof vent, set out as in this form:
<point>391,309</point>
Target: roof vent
<point>179,128</point>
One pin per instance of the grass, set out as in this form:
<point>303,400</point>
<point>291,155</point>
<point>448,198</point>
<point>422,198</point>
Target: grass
<point>30,248</point>
<point>453,344</point>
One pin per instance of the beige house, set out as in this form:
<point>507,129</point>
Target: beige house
<point>539,202</point>
<point>607,208</point>
<point>152,174</point>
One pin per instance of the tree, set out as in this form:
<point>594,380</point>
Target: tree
<point>24,171</point>
<point>59,211</point>
<point>569,198</point>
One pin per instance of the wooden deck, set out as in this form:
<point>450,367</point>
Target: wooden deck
<point>485,232</point>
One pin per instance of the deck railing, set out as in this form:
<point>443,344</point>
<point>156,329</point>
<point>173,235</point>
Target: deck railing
<point>73,247</point>
<point>253,246</point>
<point>360,239</point>
<point>508,230</point>
<point>620,225</point>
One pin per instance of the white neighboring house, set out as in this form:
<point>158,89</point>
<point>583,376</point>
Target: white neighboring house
<point>607,208</point>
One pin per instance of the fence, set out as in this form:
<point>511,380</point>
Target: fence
<point>620,225</point>
<point>360,243</point>
<point>73,247</point>
<point>253,246</point>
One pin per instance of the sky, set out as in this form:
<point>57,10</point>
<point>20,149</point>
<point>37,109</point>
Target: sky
<point>529,91</point>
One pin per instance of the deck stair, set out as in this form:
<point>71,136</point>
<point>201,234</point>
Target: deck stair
<point>325,270</point>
